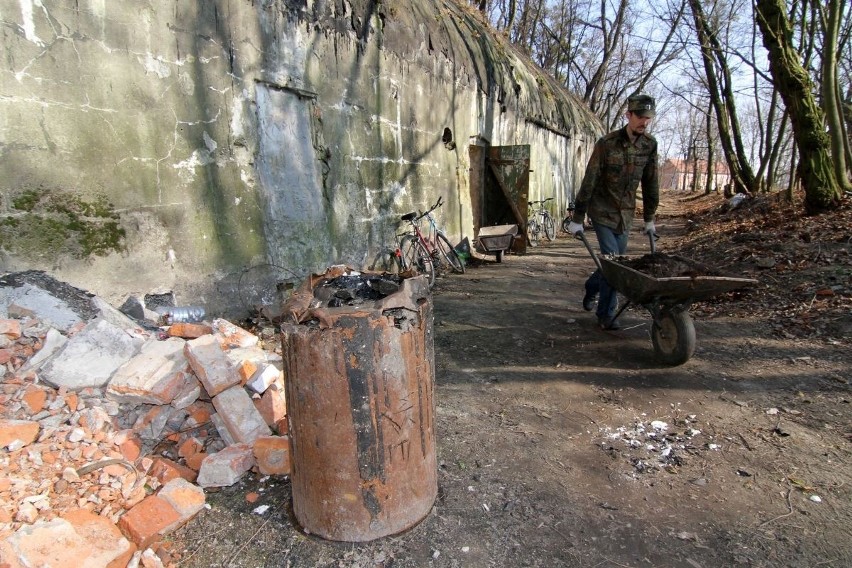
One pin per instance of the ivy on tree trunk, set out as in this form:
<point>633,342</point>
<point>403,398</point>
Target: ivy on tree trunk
<point>793,83</point>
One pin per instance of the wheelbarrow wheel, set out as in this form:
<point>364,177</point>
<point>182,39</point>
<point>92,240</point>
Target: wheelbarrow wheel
<point>673,336</point>
<point>500,255</point>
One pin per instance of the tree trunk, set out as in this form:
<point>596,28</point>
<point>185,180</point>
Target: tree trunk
<point>834,117</point>
<point>711,155</point>
<point>742,177</point>
<point>792,81</point>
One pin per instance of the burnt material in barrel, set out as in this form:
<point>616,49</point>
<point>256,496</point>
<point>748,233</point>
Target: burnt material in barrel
<point>360,384</point>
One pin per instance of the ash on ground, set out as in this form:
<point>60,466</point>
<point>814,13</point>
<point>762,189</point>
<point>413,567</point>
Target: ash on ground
<point>355,289</point>
<point>656,445</point>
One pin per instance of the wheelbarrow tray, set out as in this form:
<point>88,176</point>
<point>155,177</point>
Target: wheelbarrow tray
<point>641,288</point>
<point>497,238</point>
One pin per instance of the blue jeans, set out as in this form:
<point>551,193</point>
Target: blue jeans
<point>610,243</point>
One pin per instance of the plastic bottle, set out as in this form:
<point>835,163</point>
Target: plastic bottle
<point>184,314</point>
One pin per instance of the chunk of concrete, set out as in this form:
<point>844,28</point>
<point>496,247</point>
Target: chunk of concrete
<point>225,468</point>
<point>53,342</point>
<point>46,307</point>
<point>90,357</point>
<point>156,375</point>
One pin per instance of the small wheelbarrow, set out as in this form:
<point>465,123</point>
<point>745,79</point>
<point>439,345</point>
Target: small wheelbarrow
<point>497,239</point>
<point>667,299</point>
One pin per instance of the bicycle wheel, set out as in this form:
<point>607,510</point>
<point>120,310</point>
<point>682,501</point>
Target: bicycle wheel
<point>415,258</point>
<point>448,253</point>
<point>565,222</point>
<point>549,227</point>
<point>532,232</point>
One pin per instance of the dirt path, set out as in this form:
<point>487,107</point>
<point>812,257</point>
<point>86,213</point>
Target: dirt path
<point>560,444</point>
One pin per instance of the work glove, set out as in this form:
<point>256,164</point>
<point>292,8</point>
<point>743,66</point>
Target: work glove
<point>650,229</point>
<point>575,228</point>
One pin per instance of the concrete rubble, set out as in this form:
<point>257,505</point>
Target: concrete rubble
<point>111,428</point>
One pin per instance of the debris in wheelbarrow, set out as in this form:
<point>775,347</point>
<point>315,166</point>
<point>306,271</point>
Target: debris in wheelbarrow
<point>497,239</point>
<point>661,265</point>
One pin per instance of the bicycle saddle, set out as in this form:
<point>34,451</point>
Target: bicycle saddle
<point>409,216</point>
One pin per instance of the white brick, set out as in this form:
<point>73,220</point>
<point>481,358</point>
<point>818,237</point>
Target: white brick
<point>210,364</point>
<point>265,376</point>
<point>240,416</point>
<point>155,376</point>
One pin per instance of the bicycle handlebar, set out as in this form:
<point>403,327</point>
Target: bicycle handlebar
<point>422,214</point>
<point>542,201</point>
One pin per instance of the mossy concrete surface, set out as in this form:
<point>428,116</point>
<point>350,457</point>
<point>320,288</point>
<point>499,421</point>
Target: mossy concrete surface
<point>191,141</point>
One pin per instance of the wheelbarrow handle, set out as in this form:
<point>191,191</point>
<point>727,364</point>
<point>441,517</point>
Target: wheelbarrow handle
<point>582,236</point>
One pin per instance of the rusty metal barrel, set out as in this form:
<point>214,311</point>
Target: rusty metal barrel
<point>360,383</point>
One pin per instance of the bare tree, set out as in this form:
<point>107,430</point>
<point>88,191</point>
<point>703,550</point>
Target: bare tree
<point>722,99</point>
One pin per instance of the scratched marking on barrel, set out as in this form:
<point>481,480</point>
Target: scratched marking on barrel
<point>367,432</point>
<point>399,423</point>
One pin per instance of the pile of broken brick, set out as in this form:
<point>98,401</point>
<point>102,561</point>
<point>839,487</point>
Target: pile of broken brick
<point>111,429</point>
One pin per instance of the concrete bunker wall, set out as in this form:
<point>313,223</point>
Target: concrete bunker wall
<point>174,144</point>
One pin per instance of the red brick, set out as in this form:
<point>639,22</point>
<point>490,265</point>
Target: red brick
<point>194,461</point>
<point>272,454</point>
<point>71,399</point>
<point>11,328</point>
<point>189,446</point>
<point>187,499</point>
<point>246,369</point>
<point>102,533</point>
<point>131,448</point>
<point>146,522</point>
<point>189,330</point>
<point>230,335</point>
<point>35,398</point>
<point>199,413</point>
<point>11,430</point>
<point>272,406</point>
<point>165,470</point>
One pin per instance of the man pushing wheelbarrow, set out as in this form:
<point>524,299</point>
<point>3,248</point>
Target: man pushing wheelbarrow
<point>620,161</point>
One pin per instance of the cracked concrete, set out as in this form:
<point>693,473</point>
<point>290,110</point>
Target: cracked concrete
<point>231,134</point>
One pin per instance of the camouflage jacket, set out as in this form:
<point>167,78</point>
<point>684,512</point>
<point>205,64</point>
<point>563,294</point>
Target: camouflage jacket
<point>615,169</point>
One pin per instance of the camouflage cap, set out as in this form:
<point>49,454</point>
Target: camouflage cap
<point>643,105</point>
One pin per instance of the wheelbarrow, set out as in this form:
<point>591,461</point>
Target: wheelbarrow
<point>667,299</point>
<point>497,239</point>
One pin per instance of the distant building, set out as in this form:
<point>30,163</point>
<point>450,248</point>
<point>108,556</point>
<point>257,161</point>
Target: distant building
<point>677,174</point>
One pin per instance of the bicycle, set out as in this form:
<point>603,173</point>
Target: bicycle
<point>539,221</point>
<point>427,253</point>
